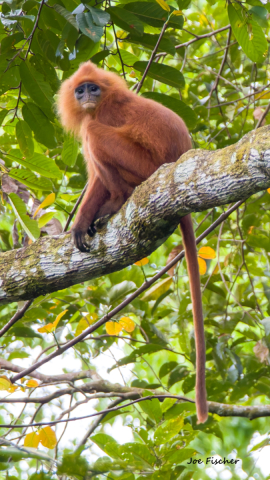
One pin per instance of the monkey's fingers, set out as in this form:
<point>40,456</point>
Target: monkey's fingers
<point>78,239</point>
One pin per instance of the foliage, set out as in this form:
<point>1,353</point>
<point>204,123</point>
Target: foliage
<point>211,67</point>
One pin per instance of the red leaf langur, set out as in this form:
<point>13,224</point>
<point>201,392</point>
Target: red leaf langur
<point>125,139</point>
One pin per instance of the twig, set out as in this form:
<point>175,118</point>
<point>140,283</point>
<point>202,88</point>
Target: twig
<point>261,119</point>
<point>152,56</point>
<point>127,301</point>
<point>71,215</point>
<point>199,37</point>
<point>18,315</point>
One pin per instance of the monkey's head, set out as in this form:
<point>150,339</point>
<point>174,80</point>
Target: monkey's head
<point>83,92</point>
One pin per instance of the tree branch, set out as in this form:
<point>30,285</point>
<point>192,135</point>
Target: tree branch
<point>200,180</point>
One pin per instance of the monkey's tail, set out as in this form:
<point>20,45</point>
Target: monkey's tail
<point>189,242</point>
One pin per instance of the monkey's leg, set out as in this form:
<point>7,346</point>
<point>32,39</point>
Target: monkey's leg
<point>189,242</point>
<point>95,196</point>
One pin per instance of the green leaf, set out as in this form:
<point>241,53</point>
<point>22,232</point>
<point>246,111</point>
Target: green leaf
<point>120,290</point>
<point>9,79</point>
<point>137,455</point>
<point>152,409</point>
<point>168,430</point>
<point>28,225</point>
<point>87,26</point>
<point>100,18</point>
<point>166,368</point>
<point>22,331</point>
<point>177,106</point>
<point>39,124</point>
<point>128,58</point>
<point>67,15</point>
<point>183,4</point>
<point>3,114</point>
<point>39,90</point>
<point>126,20</point>
<point>162,73</point>
<point>248,33</point>
<point>152,14</point>
<point>41,64</point>
<point>150,41</point>
<point>45,166</point>
<point>98,57</point>
<point>70,151</point>
<point>31,180</point>
<point>44,219</point>
<point>260,16</point>
<point>181,455</point>
<point>24,138</point>
<point>107,444</point>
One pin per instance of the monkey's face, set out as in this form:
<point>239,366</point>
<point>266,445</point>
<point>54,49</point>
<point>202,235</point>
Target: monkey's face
<point>88,95</point>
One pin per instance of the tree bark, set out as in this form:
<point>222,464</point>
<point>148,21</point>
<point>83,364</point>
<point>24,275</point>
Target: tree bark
<point>199,180</point>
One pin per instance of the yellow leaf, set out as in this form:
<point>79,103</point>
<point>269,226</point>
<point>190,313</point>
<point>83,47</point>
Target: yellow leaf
<point>207,253</point>
<point>85,322</point>
<point>251,229</point>
<point>113,328</point>
<point>127,324</point>
<point>133,75</point>
<point>157,290</point>
<point>51,327</point>
<point>58,318</point>
<point>268,190</point>
<point>142,262</point>
<point>32,383</point>
<point>46,203</point>
<point>47,328</point>
<point>262,95</point>
<point>163,5</point>
<point>47,437</point>
<point>202,266</point>
<point>5,384</point>
<point>177,12</point>
<point>31,440</point>
<point>12,389</point>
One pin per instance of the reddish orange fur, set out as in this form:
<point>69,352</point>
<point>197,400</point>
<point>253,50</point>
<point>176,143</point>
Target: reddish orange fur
<point>125,139</point>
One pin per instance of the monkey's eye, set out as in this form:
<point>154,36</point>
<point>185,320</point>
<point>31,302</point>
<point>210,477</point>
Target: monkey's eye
<point>94,88</point>
<point>80,90</point>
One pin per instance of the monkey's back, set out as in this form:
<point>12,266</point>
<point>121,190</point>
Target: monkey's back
<point>143,120</point>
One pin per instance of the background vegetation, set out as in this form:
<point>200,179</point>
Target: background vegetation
<point>209,62</point>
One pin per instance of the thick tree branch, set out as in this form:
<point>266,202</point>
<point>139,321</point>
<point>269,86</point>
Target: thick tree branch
<point>199,180</point>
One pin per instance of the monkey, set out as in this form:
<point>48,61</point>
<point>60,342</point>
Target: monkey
<point>125,139</point>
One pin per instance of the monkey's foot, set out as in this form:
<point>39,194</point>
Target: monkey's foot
<point>101,221</point>
<point>91,230</point>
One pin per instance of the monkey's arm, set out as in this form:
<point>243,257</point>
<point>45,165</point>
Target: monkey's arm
<point>95,196</point>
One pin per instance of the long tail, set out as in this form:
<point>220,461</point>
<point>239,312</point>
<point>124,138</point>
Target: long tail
<point>189,242</point>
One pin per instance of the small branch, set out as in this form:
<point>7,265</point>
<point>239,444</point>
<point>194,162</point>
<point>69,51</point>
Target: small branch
<point>260,121</point>
<point>199,37</point>
<point>152,57</point>
<point>221,409</point>
<point>18,315</point>
<point>71,215</point>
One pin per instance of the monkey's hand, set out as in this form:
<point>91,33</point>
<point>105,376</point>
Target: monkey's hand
<point>79,239</point>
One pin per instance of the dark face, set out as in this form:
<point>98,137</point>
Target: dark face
<point>88,95</point>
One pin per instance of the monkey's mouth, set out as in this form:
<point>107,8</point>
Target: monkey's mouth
<point>88,105</point>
